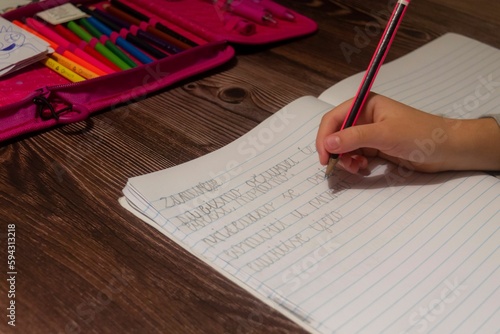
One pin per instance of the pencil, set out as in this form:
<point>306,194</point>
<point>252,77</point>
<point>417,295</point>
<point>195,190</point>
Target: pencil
<point>62,70</point>
<point>75,67</point>
<point>373,68</point>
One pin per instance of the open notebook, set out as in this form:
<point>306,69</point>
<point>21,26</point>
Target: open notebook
<point>395,252</point>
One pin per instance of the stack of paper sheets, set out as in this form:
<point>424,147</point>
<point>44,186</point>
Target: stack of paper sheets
<point>396,251</point>
<point>19,48</point>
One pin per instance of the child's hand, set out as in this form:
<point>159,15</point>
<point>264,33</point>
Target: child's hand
<point>408,136</point>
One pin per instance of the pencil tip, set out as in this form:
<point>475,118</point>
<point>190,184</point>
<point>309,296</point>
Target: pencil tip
<point>329,169</point>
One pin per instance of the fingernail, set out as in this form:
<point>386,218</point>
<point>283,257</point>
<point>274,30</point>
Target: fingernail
<point>332,143</point>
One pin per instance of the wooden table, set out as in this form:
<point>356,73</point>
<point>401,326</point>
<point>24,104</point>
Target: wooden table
<point>86,265</point>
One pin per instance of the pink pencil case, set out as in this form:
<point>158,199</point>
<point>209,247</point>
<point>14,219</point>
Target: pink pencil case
<point>37,98</point>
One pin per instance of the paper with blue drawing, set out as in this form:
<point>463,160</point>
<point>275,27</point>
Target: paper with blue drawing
<point>396,251</point>
<point>19,48</point>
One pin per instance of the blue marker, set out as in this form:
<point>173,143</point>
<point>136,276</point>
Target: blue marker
<point>139,33</point>
<point>120,41</point>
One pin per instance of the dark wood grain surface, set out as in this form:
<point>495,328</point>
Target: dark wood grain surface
<point>86,265</point>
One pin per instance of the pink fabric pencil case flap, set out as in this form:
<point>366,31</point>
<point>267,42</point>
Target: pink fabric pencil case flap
<point>63,102</point>
<point>37,98</point>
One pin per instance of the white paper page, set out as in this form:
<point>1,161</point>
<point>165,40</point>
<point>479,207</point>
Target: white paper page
<point>394,251</point>
<point>19,48</point>
<point>127,205</point>
<point>454,76</point>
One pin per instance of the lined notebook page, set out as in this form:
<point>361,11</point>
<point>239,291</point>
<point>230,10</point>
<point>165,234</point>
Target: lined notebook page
<point>396,251</point>
<point>453,76</point>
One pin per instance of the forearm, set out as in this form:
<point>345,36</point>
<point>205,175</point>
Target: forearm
<point>474,144</point>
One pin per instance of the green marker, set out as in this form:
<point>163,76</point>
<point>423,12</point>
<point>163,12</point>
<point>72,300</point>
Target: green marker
<point>98,46</point>
<point>116,50</point>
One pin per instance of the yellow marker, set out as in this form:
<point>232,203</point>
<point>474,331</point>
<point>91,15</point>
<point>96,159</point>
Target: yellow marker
<point>75,67</point>
<point>62,70</point>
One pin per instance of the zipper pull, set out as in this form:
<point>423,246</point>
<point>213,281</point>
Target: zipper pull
<point>67,114</point>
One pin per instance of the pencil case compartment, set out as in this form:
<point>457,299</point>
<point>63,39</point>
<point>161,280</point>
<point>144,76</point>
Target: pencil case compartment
<point>36,98</point>
<point>61,102</point>
<point>236,23</point>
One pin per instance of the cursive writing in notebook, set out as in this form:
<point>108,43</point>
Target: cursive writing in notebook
<point>394,251</point>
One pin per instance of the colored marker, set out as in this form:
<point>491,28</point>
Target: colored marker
<point>66,53</point>
<point>50,34</point>
<point>145,26</point>
<point>62,70</point>
<point>120,41</point>
<point>127,35</point>
<point>157,25</point>
<point>172,49</point>
<point>73,38</point>
<point>97,45</point>
<point>103,38</point>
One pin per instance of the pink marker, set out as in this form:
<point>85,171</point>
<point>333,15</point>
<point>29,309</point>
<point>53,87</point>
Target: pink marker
<point>56,38</point>
<point>236,23</point>
<point>250,12</point>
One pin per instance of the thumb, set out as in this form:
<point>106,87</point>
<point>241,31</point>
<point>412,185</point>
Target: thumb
<point>353,138</point>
